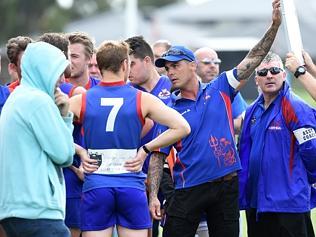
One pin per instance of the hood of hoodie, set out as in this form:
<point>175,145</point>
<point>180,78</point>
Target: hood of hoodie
<point>42,64</point>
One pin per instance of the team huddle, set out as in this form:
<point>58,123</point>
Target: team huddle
<point>126,137</point>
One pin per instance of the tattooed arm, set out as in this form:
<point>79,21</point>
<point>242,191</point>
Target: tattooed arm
<point>260,50</point>
<point>154,178</point>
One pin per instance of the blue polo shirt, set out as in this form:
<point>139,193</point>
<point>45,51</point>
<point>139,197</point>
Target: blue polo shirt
<point>209,151</point>
<point>239,105</point>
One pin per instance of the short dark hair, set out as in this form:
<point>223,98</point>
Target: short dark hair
<point>59,40</point>
<point>139,48</point>
<point>111,54</point>
<point>15,46</point>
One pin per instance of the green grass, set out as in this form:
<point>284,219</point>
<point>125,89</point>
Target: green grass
<point>301,92</point>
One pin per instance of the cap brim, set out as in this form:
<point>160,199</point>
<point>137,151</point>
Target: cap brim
<point>160,62</point>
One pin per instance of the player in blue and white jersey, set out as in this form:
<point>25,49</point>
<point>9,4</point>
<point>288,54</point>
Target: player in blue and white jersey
<point>144,76</point>
<point>205,172</point>
<point>80,51</point>
<point>112,115</point>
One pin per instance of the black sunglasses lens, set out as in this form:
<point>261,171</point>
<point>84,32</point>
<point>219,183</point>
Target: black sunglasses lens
<point>275,70</point>
<point>262,72</point>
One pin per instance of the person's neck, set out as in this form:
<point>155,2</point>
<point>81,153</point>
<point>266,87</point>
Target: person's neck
<point>80,81</point>
<point>190,90</point>
<point>112,77</point>
<point>268,99</point>
<point>152,81</point>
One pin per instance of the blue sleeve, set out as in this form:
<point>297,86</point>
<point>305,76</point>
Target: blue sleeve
<point>66,88</point>
<point>158,130</point>
<point>4,94</point>
<point>226,82</point>
<point>239,105</point>
<point>301,121</point>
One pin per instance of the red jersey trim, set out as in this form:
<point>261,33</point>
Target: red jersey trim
<point>13,85</point>
<point>83,107</point>
<point>139,107</point>
<point>290,117</point>
<point>228,107</point>
<point>117,83</point>
<point>88,85</point>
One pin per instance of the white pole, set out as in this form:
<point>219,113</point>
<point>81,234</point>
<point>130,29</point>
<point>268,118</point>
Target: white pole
<point>292,29</point>
<point>131,17</point>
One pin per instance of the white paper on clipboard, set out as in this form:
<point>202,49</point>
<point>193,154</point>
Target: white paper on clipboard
<point>292,29</point>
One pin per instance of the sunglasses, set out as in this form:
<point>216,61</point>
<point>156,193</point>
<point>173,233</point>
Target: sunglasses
<point>176,52</point>
<point>272,70</point>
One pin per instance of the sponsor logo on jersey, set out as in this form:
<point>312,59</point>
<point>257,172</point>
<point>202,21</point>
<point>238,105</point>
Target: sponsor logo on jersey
<point>164,94</point>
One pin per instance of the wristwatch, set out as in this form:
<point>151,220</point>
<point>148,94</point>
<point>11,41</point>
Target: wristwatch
<point>301,70</point>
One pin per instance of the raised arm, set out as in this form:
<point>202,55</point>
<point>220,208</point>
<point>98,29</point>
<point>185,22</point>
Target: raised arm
<point>247,66</point>
<point>310,66</point>
<point>307,79</point>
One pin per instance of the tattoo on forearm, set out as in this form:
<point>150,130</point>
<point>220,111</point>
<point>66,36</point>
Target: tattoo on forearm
<point>155,172</point>
<point>257,54</point>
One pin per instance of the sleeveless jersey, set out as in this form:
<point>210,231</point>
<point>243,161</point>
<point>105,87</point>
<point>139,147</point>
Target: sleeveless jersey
<point>112,122</point>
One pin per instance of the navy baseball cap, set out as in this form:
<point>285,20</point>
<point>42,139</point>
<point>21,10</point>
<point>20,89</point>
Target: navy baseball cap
<point>175,54</point>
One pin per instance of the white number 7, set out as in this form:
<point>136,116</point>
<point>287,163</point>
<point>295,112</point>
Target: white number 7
<point>117,104</point>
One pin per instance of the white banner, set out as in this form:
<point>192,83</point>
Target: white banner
<point>292,29</point>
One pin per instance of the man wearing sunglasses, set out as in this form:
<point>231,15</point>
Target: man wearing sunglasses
<point>278,156</point>
<point>205,172</point>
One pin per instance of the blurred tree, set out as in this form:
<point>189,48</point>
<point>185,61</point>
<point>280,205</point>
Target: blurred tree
<point>27,17</point>
<point>154,3</point>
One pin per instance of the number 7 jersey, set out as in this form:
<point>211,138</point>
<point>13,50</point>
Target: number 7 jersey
<point>112,122</point>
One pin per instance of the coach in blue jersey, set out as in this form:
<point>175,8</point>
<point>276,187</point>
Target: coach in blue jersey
<point>278,155</point>
<point>205,172</point>
<point>207,68</point>
<point>32,188</point>
<point>112,115</point>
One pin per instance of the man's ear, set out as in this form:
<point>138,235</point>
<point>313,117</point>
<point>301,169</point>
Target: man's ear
<point>193,65</point>
<point>147,60</point>
<point>124,65</point>
<point>12,68</point>
<point>256,80</point>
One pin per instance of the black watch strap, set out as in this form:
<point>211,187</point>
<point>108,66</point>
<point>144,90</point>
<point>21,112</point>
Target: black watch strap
<point>301,70</point>
<point>146,149</point>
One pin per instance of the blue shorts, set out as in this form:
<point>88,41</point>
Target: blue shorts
<point>72,219</point>
<point>102,208</point>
